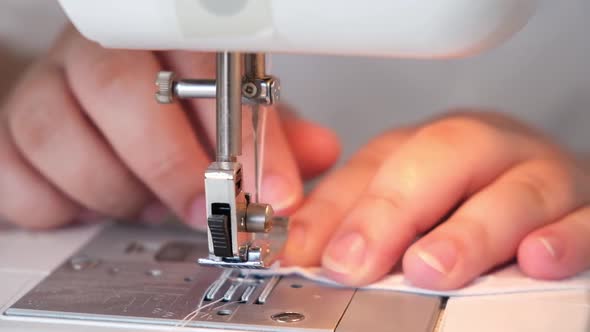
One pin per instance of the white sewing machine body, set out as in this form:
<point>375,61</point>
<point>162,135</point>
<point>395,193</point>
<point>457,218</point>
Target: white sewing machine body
<point>398,28</point>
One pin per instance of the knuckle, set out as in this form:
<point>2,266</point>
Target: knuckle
<point>459,130</point>
<point>120,204</point>
<point>161,169</point>
<point>377,210</point>
<point>115,191</point>
<point>106,70</point>
<point>473,234</point>
<point>374,153</point>
<point>43,222</point>
<point>475,237</point>
<point>391,138</point>
<point>534,188</point>
<point>112,193</point>
<point>579,218</point>
<point>34,124</point>
<point>320,202</point>
<point>548,184</point>
<point>392,199</point>
<point>551,183</point>
<point>33,110</point>
<point>19,212</point>
<point>367,158</point>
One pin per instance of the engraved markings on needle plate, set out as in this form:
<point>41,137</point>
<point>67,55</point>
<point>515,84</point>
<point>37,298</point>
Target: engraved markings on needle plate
<point>217,285</point>
<point>103,283</point>
<point>247,293</point>
<point>241,287</point>
<point>229,294</point>
<point>268,289</point>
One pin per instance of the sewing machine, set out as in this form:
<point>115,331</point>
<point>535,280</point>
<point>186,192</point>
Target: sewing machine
<point>125,277</point>
<point>243,232</point>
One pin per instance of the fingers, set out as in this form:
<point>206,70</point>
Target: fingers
<point>319,217</point>
<point>488,228</point>
<point>51,132</point>
<point>111,123</point>
<point>316,148</point>
<point>27,198</point>
<point>437,166</point>
<point>115,89</point>
<point>558,250</point>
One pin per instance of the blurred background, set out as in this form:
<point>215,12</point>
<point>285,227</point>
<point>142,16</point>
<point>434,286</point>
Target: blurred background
<point>541,75</point>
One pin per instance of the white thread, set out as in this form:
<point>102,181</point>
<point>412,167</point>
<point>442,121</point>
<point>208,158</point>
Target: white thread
<point>261,143</point>
<point>188,318</point>
<point>193,314</point>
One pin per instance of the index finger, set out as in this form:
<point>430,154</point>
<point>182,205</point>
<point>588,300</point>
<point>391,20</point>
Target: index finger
<point>116,91</point>
<point>321,214</point>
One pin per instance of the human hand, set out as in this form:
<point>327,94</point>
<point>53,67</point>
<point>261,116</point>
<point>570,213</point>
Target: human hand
<point>480,188</point>
<point>82,131</point>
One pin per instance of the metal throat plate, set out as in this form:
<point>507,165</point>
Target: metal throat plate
<point>149,275</point>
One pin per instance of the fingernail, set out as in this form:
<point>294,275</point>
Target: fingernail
<point>197,216</point>
<point>155,213</point>
<point>279,192</point>
<point>440,256</point>
<point>552,246</point>
<point>345,254</point>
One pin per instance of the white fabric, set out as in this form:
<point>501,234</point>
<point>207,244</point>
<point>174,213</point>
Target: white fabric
<point>502,281</point>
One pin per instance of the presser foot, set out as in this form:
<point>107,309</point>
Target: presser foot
<point>260,253</point>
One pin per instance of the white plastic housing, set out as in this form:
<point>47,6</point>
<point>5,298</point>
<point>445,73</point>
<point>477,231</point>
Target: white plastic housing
<point>399,28</point>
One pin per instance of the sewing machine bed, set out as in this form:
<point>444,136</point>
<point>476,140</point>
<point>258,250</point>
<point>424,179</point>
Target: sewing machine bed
<point>119,277</point>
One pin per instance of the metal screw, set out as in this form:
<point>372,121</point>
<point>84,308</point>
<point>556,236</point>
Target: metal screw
<point>288,317</point>
<point>275,91</point>
<point>249,90</point>
<point>224,312</point>
<point>254,254</point>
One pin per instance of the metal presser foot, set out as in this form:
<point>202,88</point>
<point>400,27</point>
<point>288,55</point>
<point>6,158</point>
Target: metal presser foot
<point>241,233</point>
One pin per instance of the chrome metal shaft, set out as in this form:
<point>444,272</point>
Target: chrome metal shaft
<point>195,89</point>
<point>255,65</point>
<point>229,106</point>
